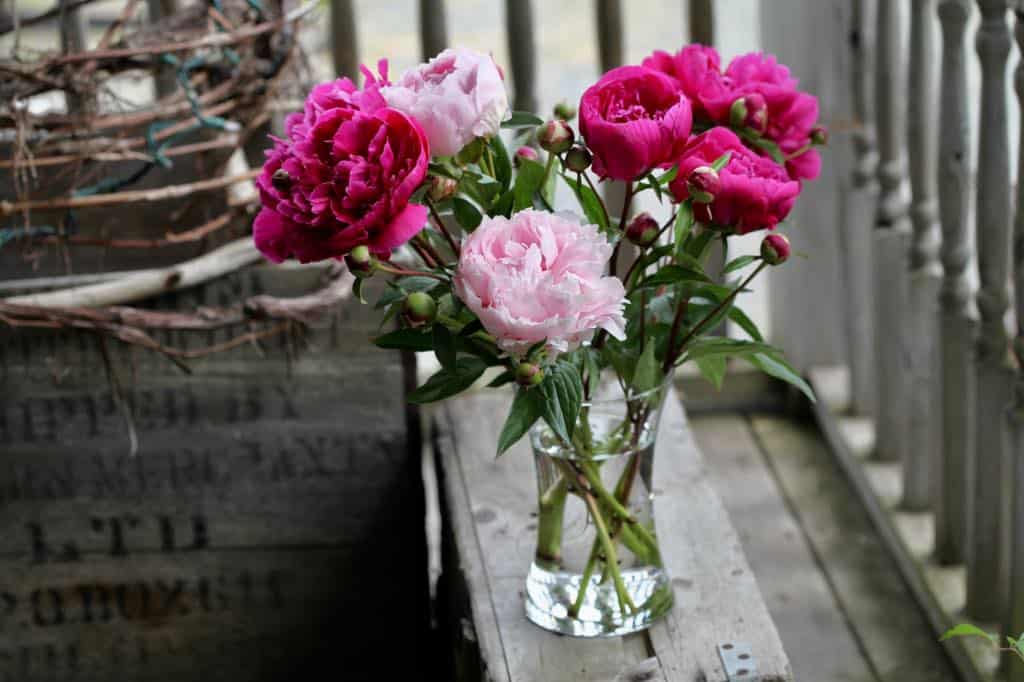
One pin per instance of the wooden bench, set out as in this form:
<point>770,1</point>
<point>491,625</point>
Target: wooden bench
<point>718,631</point>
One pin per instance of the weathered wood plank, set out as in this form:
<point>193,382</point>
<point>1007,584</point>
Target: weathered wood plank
<point>895,636</point>
<point>987,574</point>
<point>810,620</point>
<point>490,504</point>
<point>955,469</point>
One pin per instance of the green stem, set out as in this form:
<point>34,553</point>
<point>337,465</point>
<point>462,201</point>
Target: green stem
<point>611,558</point>
<point>588,573</point>
<point>594,479</point>
<point>549,524</point>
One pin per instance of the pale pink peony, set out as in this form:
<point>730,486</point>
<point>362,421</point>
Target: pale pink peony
<point>457,96</point>
<point>539,276</point>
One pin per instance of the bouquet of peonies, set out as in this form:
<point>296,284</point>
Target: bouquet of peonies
<point>412,179</point>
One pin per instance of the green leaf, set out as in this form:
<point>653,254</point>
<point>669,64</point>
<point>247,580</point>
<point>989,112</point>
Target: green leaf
<point>669,175</point>
<point>713,369</point>
<point>745,323</point>
<point>589,202</point>
<point>502,162</point>
<point>528,182</point>
<point>471,328</point>
<point>673,274</point>
<point>775,366</point>
<point>722,347</point>
<point>526,409</point>
<point>449,381</point>
<point>504,378</point>
<point>722,161</point>
<point>683,225</point>
<point>480,188</point>
<point>772,149</point>
<point>503,206</point>
<point>444,346</point>
<point>562,390</point>
<point>397,290</point>
<point>521,119</point>
<point>406,339</point>
<point>357,289</point>
<point>697,246</point>
<point>968,630</point>
<point>737,263</point>
<point>647,374</point>
<point>467,214</point>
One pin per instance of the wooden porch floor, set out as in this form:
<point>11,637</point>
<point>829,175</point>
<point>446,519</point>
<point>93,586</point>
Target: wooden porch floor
<point>835,594</point>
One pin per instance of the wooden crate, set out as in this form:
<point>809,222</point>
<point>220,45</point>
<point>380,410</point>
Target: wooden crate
<point>490,530</point>
<point>270,523</point>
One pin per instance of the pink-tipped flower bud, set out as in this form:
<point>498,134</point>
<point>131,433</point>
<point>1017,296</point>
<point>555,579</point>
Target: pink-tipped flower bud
<point>442,188</point>
<point>702,213</point>
<point>703,184</point>
<point>578,159</point>
<point>360,262</point>
<point>643,230</point>
<point>526,152</point>
<point>750,111</point>
<point>419,309</point>
<point>775,249</point>
<point>565,111</point>
<point>555,136</point>
<point>529,374</point>
<point>819,135</point>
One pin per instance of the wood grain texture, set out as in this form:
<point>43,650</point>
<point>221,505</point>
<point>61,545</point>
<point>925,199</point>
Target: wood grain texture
<point>955,466</point>
<point>270,523</point>
<point>490,509</point>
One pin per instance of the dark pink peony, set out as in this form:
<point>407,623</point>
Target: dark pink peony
<point>342,178</point>
<point>754,192</point>
<point>634,120</point>
<point>696,69</point>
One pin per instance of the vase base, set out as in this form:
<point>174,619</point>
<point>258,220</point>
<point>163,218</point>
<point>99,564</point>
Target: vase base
<point>551,594</point>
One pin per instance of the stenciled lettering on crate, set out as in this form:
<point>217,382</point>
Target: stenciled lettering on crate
<point>233,544</point>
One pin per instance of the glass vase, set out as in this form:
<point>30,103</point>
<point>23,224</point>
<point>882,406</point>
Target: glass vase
<point>597,570</point>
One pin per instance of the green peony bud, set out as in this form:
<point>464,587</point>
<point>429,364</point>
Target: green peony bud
<point>775,249</point>
<point>578,159</point>
<point>565,111</point>
<point>419,309</point>
<point>528,374</point>
<point>360,262</point>
<point>643,230</point>
<point>555,136</point>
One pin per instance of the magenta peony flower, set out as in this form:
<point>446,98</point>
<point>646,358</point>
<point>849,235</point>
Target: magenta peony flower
<point>539,276</point>
<point>342,178</point>
<point>634,120</point>
<point>697,71</point>
<point>754,192</point>
<point>457,96</point>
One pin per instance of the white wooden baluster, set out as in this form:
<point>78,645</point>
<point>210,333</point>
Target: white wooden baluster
<point>891,239</point>
<point>956,340</point>
<point>857,237</point>
<point>1015,614</point>
<point>922,312</point>
<point>987,555</point>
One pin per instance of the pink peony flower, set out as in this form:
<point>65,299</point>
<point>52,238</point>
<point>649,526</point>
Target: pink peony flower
<point>697,71</point>
<point>342,178</point>
<point>539,276</point>
<point>791,114</point>
<point>754,192</point>
<point>634,120</point>
<point>457,96</point>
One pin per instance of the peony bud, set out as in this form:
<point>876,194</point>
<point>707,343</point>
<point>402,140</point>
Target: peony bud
<point>775,249</point>
<point>578,159</point>
<point>702,213</point>
<point>703,184</point>
<point>281,180</point>
<point>528,374</point>
<point>419,308</point>
<point>441,187</point>
<point>565,111</point>
<point>643,230</point>
<point>750,111</point>
<point>359,261</point>
<point>526,152</point>
<point>819,135</point>
<point>555,136</point>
